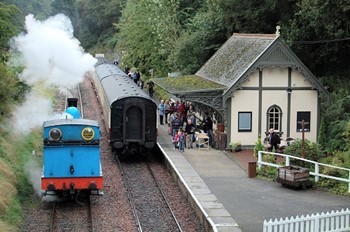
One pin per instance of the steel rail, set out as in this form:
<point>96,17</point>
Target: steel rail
<point>165,198</point>
<point>89,218</point>
<point>53,216</point>
<point>80,99</point>
<point>130,197</point>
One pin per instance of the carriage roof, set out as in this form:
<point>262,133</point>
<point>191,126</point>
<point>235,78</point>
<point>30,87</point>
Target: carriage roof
<point>116,84</point>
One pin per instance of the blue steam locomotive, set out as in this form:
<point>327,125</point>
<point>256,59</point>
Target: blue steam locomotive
<point>129,113</point>
<point>72,165</point>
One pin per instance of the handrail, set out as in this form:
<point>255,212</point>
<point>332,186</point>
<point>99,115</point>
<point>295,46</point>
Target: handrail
<point>317,173</point>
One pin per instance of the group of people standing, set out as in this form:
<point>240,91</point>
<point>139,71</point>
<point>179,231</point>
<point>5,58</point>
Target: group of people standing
<point>180,116</point>
<point>135,76</point>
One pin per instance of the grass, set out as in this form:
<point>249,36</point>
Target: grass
<point>188,83</point>
<point>16,190</point>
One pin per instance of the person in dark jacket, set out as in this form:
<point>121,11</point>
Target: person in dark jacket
<point>274,140</point>
<point>189,129</point>
<point>150,88</point>
<point>176,123</point>
<point>207,125</point>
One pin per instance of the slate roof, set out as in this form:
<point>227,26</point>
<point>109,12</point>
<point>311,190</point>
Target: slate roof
<point>242,54</point>
<point>234,57</point>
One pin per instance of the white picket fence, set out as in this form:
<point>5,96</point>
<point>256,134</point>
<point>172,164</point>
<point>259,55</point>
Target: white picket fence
<point>324,222</point>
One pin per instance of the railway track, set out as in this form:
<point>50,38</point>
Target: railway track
<point>149,204</point>
<point>61,103</point>
<point>68,216</point>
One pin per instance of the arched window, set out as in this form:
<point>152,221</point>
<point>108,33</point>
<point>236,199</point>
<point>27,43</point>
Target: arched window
<point>274,118</point>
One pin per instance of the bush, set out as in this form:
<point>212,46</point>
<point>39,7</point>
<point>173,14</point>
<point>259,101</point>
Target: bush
<point>259,146</point>
<point>340,159</point>
<point>268,171</point>
<point>311,151</point>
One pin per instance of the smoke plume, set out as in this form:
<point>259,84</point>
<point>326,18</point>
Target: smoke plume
<point>51,56</point>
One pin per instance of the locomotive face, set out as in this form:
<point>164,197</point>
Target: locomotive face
<point>71,155</point>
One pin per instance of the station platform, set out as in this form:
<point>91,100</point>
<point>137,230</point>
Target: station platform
<point>217,185</point>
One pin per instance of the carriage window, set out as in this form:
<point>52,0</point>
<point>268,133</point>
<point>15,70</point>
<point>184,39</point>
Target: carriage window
<point>274,118</point>
<point>244,121</point>
<point>303,115</point>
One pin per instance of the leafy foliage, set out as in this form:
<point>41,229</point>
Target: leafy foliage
<point>15,187</point>
<point>9,26</point>
<point>340,159</point>
<point>41,9</point>
<point>311,151</point>
<point>148,31</point>
<point>268,171</point>
<point>11,89</point>
<point>326,23</point>
<point>197,44</point>
<point>95,18</point>
<point>259,146</point>
<point>335,115</point>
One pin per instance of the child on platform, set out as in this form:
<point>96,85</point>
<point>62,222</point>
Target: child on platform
<point>179,140</point>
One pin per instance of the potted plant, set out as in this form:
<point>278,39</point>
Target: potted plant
<point>235,146</point>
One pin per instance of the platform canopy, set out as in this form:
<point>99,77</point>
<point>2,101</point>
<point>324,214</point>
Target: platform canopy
<point>206,94</point>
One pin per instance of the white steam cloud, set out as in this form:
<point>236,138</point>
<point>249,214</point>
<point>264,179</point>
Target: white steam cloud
<point>51,56</point>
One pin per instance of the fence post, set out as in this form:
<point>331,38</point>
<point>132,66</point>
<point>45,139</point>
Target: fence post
<point>349,183</point>
<point>259,159</point>
<point>287,160</point>
<point>317,222</point>
<point>317,172</point>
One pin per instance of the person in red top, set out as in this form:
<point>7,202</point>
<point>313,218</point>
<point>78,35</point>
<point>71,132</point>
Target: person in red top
<point>179,140</point>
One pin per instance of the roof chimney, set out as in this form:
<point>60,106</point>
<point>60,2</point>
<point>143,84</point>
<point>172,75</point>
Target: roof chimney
<point>278,31</point>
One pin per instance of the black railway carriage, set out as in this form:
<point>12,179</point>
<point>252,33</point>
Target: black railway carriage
<point>130,114</point>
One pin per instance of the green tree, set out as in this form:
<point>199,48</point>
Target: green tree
<point>148,31</point>
<point>319,33</point>
<point>10,87</point>
<point>40,8</point>
<point>96,19</point>
<point>9,26</point>
<point>215,22</point>
<point>196,44</point>
<point>66,7</point>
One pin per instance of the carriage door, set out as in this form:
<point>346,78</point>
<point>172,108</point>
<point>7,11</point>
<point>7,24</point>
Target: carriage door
<point>133,124</point>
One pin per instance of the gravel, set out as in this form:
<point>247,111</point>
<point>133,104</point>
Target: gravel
<point>112,212</point>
